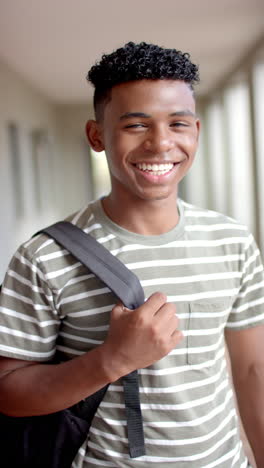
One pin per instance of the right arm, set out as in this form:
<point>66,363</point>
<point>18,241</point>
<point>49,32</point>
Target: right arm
<point>136,339</point>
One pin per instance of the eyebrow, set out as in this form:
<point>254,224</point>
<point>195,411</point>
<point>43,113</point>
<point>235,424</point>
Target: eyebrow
<point>129,115</point>
<point>183,113</point>
<point>142,115</point>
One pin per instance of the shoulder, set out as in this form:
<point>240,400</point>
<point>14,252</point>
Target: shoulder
<point>41,246</point>
<point>209,220</point>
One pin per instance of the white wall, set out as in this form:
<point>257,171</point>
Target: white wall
<point>194,187</point>
<point>22,105</point>
<point>64,179</point>
<point>75,165</point>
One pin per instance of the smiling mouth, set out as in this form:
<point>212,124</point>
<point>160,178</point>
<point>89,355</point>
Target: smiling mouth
<point>156,169</point>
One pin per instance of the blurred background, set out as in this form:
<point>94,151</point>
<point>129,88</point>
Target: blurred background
<point>47,170</point>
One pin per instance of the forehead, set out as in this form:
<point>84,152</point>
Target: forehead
<point>150,96</point>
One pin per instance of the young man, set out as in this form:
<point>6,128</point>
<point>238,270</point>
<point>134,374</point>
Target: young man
<point>201,273</point>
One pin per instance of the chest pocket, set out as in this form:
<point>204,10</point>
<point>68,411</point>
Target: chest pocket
<point>205,330</point>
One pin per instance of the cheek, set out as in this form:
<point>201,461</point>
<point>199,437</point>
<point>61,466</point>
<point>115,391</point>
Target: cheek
<point>123,148</point>
<point>114,144</point>
<point>189,144</point>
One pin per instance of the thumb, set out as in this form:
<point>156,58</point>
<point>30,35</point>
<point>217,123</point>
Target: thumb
<point>118,309</point>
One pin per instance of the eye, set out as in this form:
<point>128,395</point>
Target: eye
<point>178,124</point>
<point>137,125</point>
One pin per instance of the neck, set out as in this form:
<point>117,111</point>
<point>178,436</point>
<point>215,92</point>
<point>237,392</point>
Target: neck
<point>143,217</point>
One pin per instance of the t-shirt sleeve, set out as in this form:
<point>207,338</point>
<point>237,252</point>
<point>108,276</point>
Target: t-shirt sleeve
<point>248,307</point>
<point>29,323</point>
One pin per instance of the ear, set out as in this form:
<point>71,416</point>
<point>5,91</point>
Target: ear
<point>198,128</point>
<point>94,135</point>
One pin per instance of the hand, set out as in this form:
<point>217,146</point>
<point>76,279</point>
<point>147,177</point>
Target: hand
<point>138,338</point>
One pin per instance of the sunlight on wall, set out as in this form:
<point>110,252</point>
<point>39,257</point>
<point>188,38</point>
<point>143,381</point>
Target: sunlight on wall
<point>236,100</point>
<point>216,156</point>
<point>101,178</point>
<point>258,96</point>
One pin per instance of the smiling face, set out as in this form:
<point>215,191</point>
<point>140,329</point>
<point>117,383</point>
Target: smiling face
<point>149,132</point>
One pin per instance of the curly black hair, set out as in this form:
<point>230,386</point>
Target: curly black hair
<point>137,62</point>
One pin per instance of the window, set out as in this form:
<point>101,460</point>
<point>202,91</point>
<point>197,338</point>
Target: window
<point>16,172</point>
<point>41,169</point>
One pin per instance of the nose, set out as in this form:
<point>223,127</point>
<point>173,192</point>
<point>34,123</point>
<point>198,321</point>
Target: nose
<point>159,140</point>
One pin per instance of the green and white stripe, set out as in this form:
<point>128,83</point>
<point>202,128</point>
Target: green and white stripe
<point>210,266</point>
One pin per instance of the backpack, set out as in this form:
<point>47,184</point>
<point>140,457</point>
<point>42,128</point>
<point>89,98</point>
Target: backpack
<point>53,440</point>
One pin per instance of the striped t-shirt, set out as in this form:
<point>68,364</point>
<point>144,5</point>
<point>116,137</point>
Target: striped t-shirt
<point>210,267</point>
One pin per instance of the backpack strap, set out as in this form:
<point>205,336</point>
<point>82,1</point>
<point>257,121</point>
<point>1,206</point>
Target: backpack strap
<point>122,282</point>
<point>126,286</point>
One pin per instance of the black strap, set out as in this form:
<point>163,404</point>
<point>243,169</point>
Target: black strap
<point>122,282</point>
<point>135,431</point>
<point>126,286</point>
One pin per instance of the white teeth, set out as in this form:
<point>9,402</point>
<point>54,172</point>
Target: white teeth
<point>159,169</point>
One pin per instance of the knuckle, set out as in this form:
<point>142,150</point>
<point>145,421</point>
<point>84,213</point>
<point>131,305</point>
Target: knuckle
<point>117,310</point>
<point>139,320</point>
<point>155,330</point>
<point>160,339</point>
<point>177,337</point>
<point>164,346</point>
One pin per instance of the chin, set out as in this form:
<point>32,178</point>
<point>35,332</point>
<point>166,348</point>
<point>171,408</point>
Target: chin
<point>157,196</point>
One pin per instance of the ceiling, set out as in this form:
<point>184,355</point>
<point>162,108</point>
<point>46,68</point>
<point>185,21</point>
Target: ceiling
<point>53,43</point>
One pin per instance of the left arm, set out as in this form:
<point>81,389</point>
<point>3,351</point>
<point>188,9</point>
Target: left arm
<point>246,350</point>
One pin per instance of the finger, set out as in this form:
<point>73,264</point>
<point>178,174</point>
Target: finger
<point>177,336</point>
<point>153,304</point>
<point>168,309</point>
<point>118,309</point>
<point>167,323</point>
